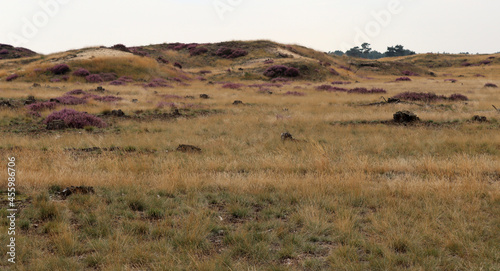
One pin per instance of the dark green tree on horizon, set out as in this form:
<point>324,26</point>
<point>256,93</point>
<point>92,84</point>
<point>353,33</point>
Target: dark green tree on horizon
<point>365,51</point>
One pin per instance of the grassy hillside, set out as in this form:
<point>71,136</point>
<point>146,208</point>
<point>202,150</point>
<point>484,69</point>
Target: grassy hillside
<point>349,189</point>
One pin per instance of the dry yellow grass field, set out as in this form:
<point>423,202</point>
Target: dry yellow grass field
<point>352,192</point>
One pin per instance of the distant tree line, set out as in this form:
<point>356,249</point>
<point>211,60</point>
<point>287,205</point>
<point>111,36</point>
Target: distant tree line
<point>366,52</point>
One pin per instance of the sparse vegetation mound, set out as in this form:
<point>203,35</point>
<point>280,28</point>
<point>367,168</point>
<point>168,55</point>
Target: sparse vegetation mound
<point>230,53</point>
<point>94,78</point>
<point>81,72</point>
<point>41,106</point>
<point>69,100</point>
<point>428,97</point>
<point>75,119</point>
<point>60,69</point>
<point>281,71</point>
<point>12,77</point>
<point>403,79</point>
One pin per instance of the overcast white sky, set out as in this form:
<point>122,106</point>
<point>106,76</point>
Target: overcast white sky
<point>454,26</point>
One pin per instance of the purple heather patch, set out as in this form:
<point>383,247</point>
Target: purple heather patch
<point>233,85</point>
<point>40,106</point>
<point>401,79</point>
<point>94,78</point>
<point>60,69</point>
<point>81,72</point>
<point>12,77</point>
<point>76,119</point>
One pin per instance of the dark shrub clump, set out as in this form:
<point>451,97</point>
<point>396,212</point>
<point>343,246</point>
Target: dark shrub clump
<point>331,88</point>
<point>281,71</point>
<point>409,73</point>
<point>60,69</point>
<point>120,47</point>
<point>367,91</point>
<point>197,51</point>
<point>75,92</point>
<point>428,97</point>
<point>230,53</point>
<point>94,78</point>
<point>490,85</point>
<point>12,77</point>
<point>81,72</point>
<point>75,119</point>
<point>292,72</point>
<point>294,93</point>
<point>233,85</point>
<point>403,79</point>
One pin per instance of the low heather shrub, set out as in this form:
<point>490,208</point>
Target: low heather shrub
<point>333,72</point>
<point>117,83</point>
<point>75,92</point>
<point>230,53</point>
<point>4,52</point>
<point>275,71</point>
<point>107,99</point>
<point>450,80</point>
<point>203,72</point>
<point>340,83</point>
<point>76,119</point>
<point>178,65</point>
<point>294,93</point>
<point>269,61</point>
<point>197,51</point>
<point>490,85</point>
<point>94,78</point>
<point>158,82</point>
<point>331,88</point>
<point>233,85</point>
<point>109,76</point>
<point>81,72</point>
<point>281,71</point>
<point>345,68</point>
<point>36,107</point>
<point>485,62</point>
<point>192,46</point>
<point>60,69</point>
<point>266,85</point>
<point>428,97</point>
<point>466,64</point>
<point>409,73</point>
<point>177,46</point>
<point>367,91</point>
<point>292,72</point>
<point>403,79</point>
<point>12,77</point>
<point>458,97</point>
<point>120,47</point>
